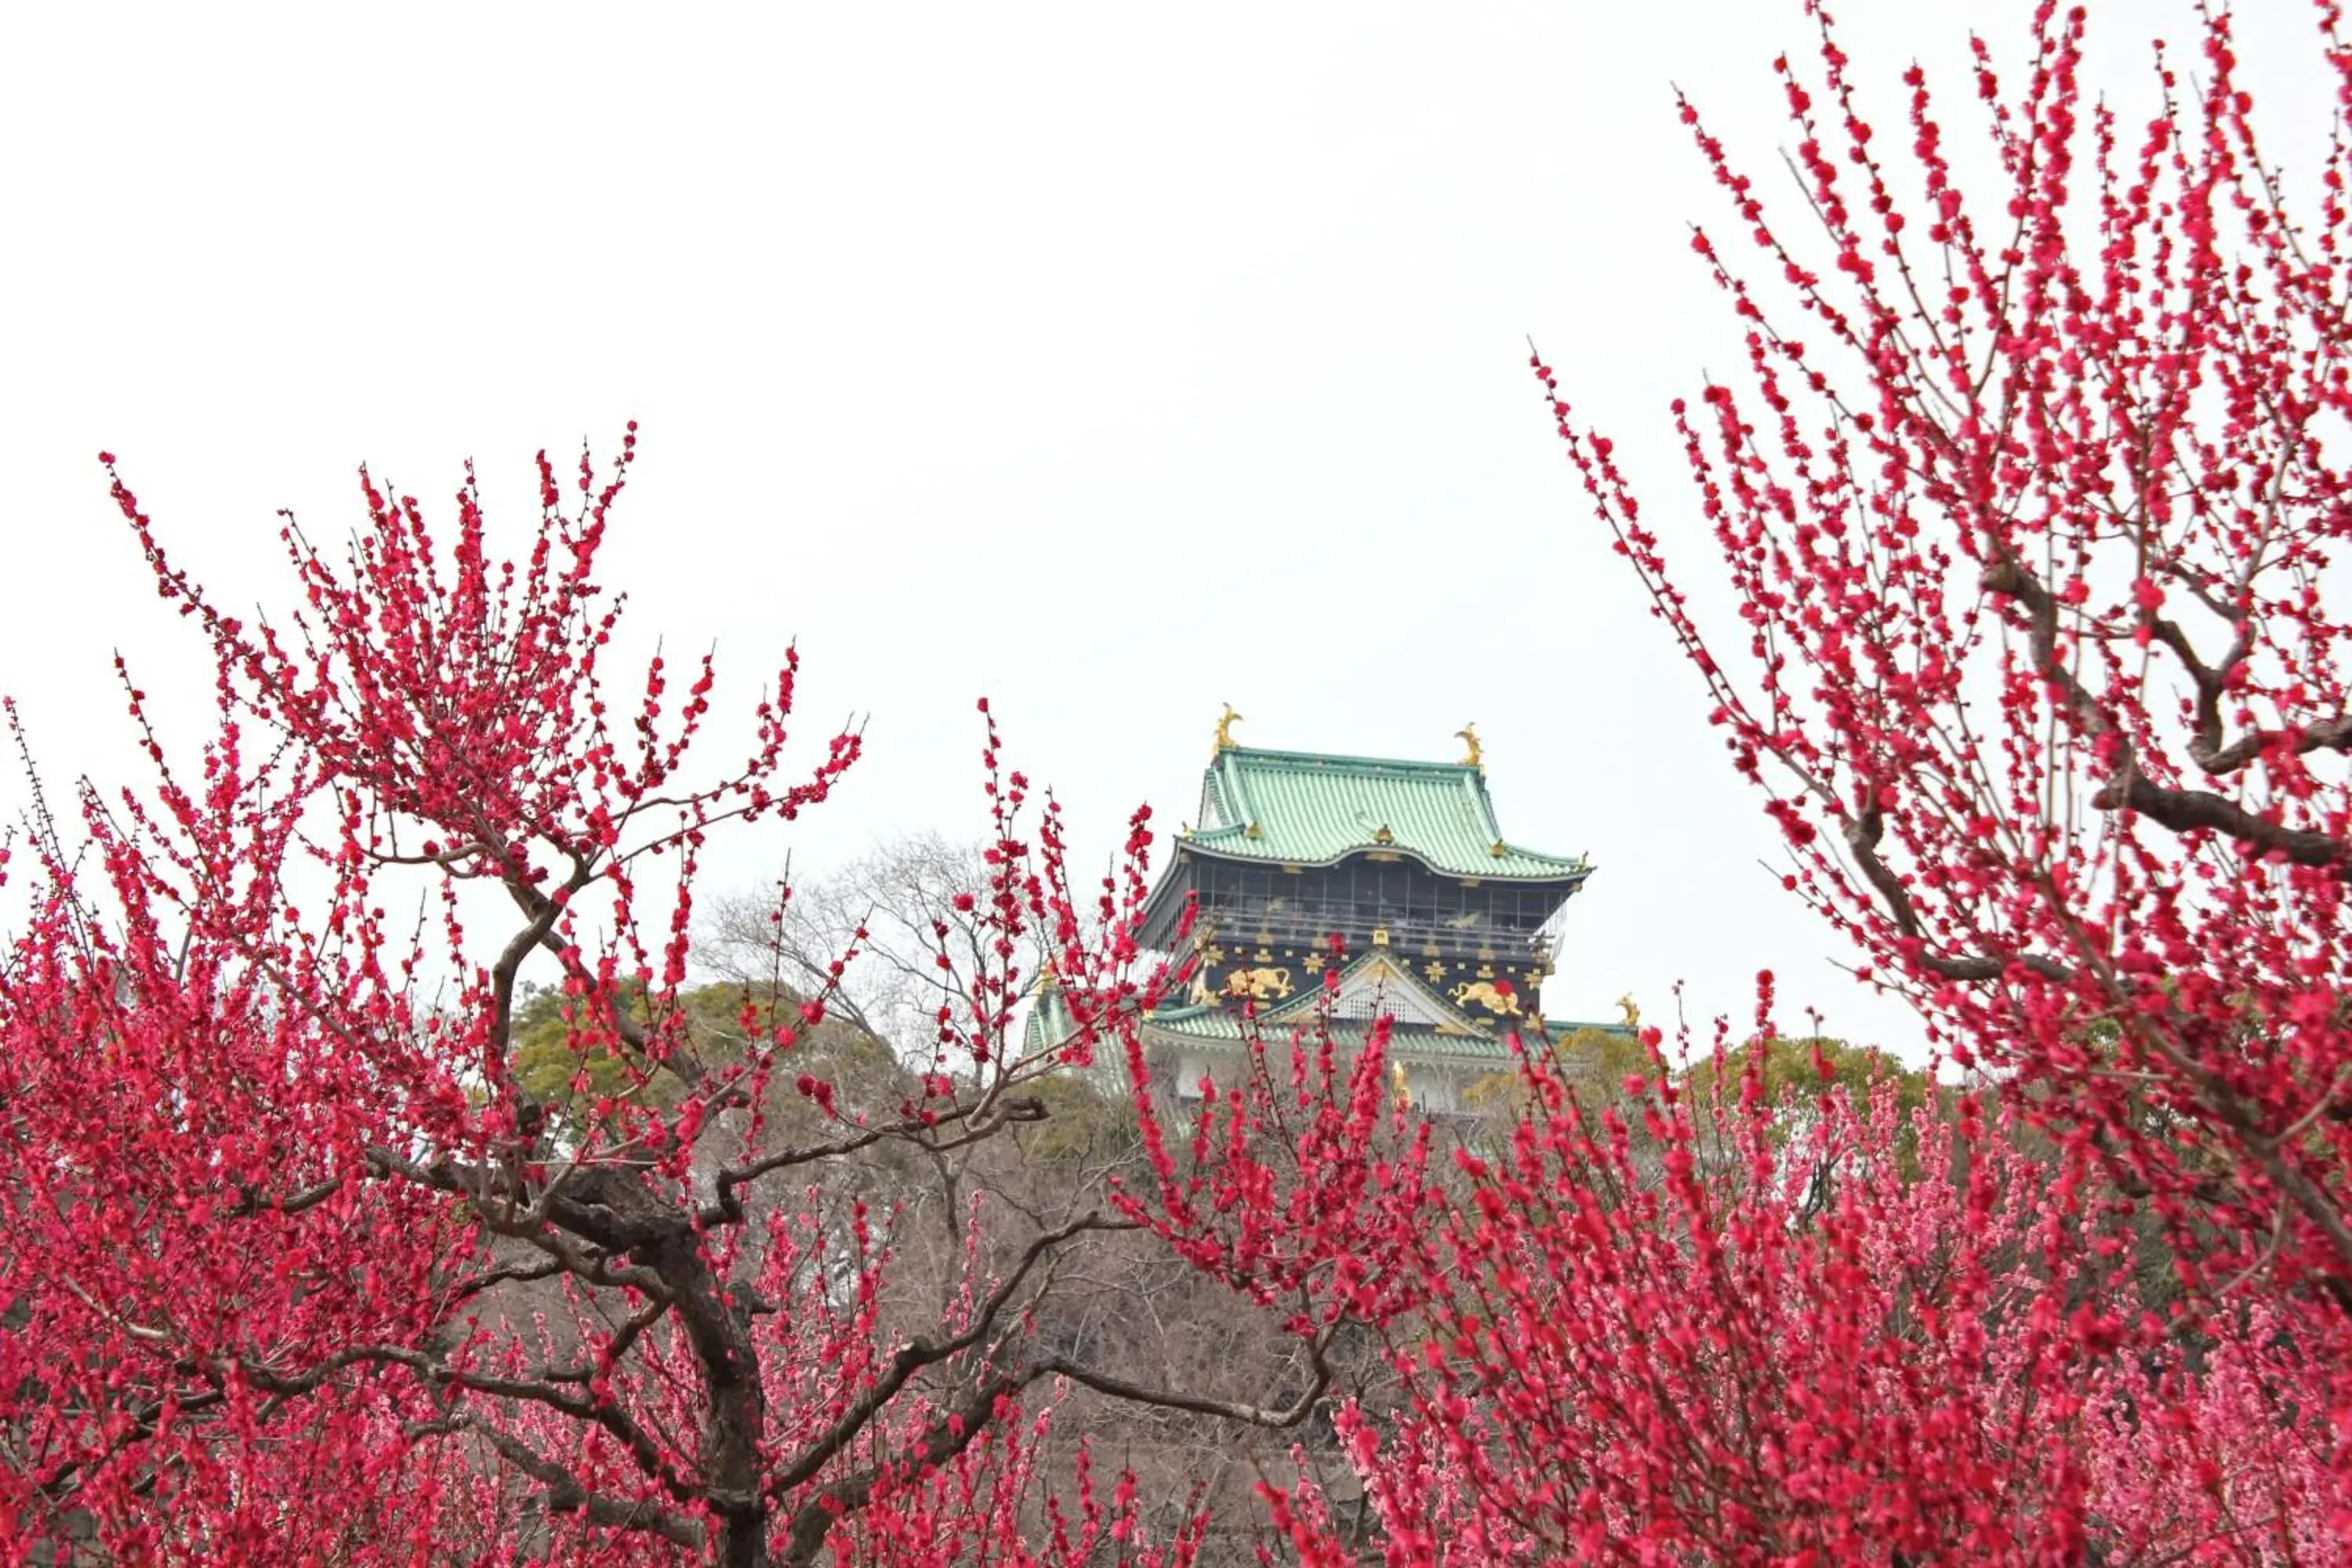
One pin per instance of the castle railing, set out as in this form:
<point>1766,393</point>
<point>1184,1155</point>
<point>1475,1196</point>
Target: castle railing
<point>1312,925</point>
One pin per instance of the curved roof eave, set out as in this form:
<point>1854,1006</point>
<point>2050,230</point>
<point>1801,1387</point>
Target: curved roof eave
<point>1215,1030</point>
<point>1209,843</point>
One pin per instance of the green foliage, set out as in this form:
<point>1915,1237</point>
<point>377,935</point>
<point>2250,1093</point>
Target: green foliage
<point>1794,1074</point>
<point>1594,1063</point>
<point>558,1052</point>
<point>563,1056</point>
<point>1081,1121</point>
<point>1797,1068</point>
<point>1599,1065</point>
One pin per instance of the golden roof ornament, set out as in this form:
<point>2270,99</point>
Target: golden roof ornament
<point>1633,1010</point>
<point>1225,729</point>
<point>1469,734</point>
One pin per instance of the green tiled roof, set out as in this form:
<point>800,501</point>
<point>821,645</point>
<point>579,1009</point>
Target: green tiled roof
<point>1050,1022</point>
<point>1303,808</point>
<point>1224,1025</point>
<point>1561,1028</point>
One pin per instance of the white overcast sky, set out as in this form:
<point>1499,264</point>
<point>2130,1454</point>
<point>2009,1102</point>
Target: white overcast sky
<point>1113,361</point>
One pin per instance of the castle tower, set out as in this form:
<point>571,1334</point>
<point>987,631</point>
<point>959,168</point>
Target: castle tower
<point>1395,874</point>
